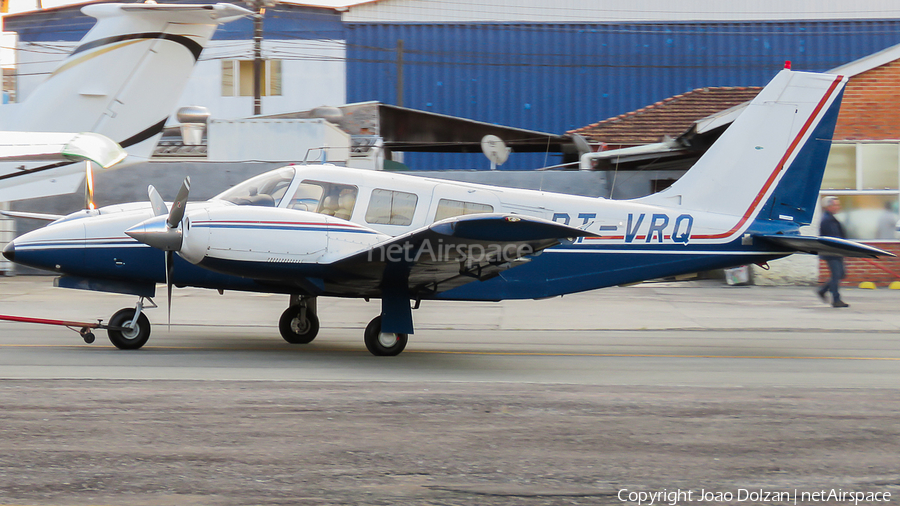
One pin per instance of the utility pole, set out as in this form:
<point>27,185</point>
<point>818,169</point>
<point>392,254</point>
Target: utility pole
<point>400,73</point>
<point>260,9</point>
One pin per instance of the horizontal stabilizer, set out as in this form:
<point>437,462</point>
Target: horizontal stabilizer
<point>825,246</point>
<point>200,13</point>
<point>60,147</point>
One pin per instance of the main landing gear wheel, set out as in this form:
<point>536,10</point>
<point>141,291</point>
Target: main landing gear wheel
<point>384,344</point>
<point>297,328</point>
<point>128,339</point>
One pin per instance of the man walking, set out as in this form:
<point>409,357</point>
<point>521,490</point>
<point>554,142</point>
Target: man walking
<point>831,227</point>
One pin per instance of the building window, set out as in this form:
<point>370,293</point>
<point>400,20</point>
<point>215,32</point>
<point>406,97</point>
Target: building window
<point>9,85</point>
<point>840,172</point>
<point>449,208</point>
<point>237,78</point>
<point>866,178</point>
<point>388,207</point>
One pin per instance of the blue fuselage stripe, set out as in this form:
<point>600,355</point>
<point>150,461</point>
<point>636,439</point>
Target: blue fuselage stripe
<point>296,228</point>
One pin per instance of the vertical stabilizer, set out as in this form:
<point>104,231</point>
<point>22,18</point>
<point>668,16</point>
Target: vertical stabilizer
<point>769,163</point>
<point>125,76</point>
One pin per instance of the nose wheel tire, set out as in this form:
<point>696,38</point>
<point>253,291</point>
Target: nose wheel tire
<point>128,338</point>
<point>384,344</point>
<point>297,330</point>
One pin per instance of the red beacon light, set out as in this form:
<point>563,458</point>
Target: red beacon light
<point>787,64</point>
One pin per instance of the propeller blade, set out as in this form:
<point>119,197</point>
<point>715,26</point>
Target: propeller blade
<point>157,202</point>
<point>89,185</point>
<point>177,212</point>
<point>170,261</point>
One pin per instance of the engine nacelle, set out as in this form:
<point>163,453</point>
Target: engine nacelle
<point>248,234</point>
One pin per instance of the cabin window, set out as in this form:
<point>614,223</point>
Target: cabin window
<point>449,208</point>
<point>332,199</point>
<point>387,207</point>
<point>265,190</point>
<point>307,197</point>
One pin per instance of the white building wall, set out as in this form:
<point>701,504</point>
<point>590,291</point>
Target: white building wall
<point>615,10</point>
<point>36,60</point>
<point>313,74</point>
<point>8,49</point>
<point>277,140</point>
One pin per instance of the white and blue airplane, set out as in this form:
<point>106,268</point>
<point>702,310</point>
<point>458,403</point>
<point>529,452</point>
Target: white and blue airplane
<point>321,230</point>
<point>115,90</point>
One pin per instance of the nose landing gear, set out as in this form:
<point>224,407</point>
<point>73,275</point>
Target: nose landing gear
<point>129,329</point>
<point>127,332</point>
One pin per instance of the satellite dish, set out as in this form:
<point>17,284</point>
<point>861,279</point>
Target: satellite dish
<point>495,150</point>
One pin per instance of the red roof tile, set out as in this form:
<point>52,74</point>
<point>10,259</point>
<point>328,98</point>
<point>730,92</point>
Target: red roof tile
<point>668,118</point>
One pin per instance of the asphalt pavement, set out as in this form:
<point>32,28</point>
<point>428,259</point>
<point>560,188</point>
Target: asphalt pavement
<point>693,387</point>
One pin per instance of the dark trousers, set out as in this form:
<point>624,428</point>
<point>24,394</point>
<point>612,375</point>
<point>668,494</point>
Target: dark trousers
<point>836,266</point>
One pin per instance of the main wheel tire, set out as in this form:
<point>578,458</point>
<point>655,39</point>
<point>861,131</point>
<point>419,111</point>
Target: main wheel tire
<point>297,331</point>
<point>383,344</point>
<point>128,339</point>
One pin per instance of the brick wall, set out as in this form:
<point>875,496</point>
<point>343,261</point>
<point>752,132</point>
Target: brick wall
<point>881,272</point>
<point>868,112</point>
<point>870,105</point>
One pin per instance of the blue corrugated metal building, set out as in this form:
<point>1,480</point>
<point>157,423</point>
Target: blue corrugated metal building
<point>558,77</point>
<point>549,77</point>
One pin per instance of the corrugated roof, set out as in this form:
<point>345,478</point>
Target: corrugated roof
<point>428,11</point>
<point>283,21</point>
<point>667,118</point>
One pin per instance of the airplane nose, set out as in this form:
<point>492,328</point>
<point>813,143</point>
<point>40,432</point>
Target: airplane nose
<point>10,251</point>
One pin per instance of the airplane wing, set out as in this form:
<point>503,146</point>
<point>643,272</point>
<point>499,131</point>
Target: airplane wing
<point>449,253</point>
<point>60,147</point>
<point>33,216</point>
<point>825,246</point>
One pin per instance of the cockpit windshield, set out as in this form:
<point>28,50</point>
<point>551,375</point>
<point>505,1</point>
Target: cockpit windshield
<point>265,190</point>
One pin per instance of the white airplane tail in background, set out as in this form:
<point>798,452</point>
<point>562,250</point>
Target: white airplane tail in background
<point>768,165</point>
<point>122,81</point>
